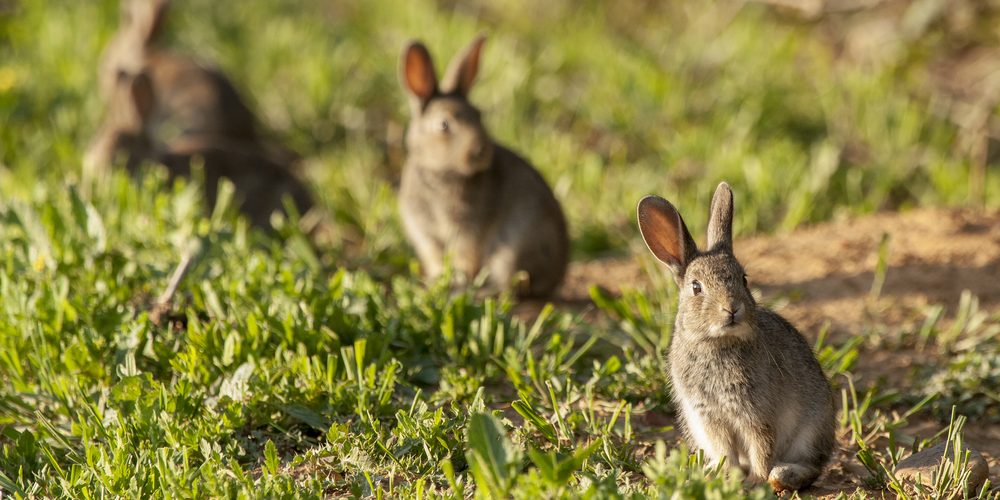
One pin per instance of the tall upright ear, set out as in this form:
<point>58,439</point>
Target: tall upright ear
<point>147,18</point>
<point>720,218</point>
<point>665,234</point>
<point>417,73</point>
<point>142,95</point>
<point>463,69</point>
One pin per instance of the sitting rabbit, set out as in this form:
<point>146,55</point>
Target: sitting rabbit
<point>747,385</point>
<point>261,181</point>
<point>466,198</point>
<point>170,109</point>
<point>192,98</point>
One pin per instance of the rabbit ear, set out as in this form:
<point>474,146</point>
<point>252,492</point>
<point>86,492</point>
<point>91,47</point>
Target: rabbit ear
<point>665,234</point>
<point>463,69</point>
<point>418,73</point>
<point>141,93</point>
<point>146,17</point>
<point>720,218</point>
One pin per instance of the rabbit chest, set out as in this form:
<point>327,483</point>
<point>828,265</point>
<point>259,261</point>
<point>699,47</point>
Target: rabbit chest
<point>716,382</point>
<point>452,210</point>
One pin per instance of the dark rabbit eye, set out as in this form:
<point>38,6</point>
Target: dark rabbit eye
<point>121,75</point>
<point>444,126</point>
<point>696,287</point>
<point>746,282</point>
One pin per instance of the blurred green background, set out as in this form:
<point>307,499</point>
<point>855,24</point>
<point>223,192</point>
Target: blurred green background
<point>807,117</point>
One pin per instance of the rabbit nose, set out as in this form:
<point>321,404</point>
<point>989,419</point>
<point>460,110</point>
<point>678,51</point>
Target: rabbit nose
<point>735,312</point>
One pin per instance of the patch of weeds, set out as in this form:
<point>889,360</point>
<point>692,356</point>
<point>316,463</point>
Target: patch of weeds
<point>970,376</point>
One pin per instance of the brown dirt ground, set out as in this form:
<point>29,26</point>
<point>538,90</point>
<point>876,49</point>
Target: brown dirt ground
<point>825,272</point>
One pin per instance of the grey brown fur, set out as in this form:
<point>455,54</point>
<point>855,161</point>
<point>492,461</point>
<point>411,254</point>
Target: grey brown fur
<point>170,109</point>
<point>467,199</point>
<point>746,383</point>
<point>193,99</point>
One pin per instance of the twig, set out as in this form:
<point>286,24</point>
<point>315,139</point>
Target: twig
<point>164,302</point>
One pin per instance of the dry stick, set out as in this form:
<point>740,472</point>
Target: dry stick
<point>163,303</point>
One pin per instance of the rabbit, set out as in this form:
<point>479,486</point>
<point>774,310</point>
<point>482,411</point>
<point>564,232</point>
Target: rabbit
<point>748,387</point>
<point>261,182</point>
<point>193,99</point>
<point>466,198</point>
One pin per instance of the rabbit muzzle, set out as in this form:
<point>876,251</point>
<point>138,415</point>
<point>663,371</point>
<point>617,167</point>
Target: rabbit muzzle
<point>731,323</point>
<point>736,313</point>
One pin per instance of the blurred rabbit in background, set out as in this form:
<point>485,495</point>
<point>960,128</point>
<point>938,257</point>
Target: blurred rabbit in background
<point>169,108</point>
<point>466,198</point>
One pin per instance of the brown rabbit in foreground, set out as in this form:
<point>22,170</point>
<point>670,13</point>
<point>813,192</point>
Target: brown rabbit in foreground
<point>746,383</point>
<point>261,182</point>
<point>464,197</point>
<point>192,98</point>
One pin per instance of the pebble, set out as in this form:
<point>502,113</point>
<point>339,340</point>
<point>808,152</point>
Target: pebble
<point>925,462</point>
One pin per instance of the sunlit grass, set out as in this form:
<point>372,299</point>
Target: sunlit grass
<point>284,369</point>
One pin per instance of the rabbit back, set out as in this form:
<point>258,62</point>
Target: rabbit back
<point>532,222</point>
<point>197,99</point>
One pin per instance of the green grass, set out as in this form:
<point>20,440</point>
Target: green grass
<point>287,370</point>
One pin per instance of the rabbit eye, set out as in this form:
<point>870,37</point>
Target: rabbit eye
<point>444,126</point>
<point>121,75</point>
<point>696,287</point>
<point>746,282</point>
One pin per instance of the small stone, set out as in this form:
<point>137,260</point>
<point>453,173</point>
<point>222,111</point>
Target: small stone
<point>925,462</point>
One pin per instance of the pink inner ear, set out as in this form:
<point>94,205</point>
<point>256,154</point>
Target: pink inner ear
<point>419,72</point>
<point>659,224</point>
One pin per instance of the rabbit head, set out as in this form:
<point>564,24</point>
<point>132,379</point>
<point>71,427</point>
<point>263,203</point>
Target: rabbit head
<point>446,131</point>
<point>125,128</point>
<point>125,55</point>
<point>714,294</point>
